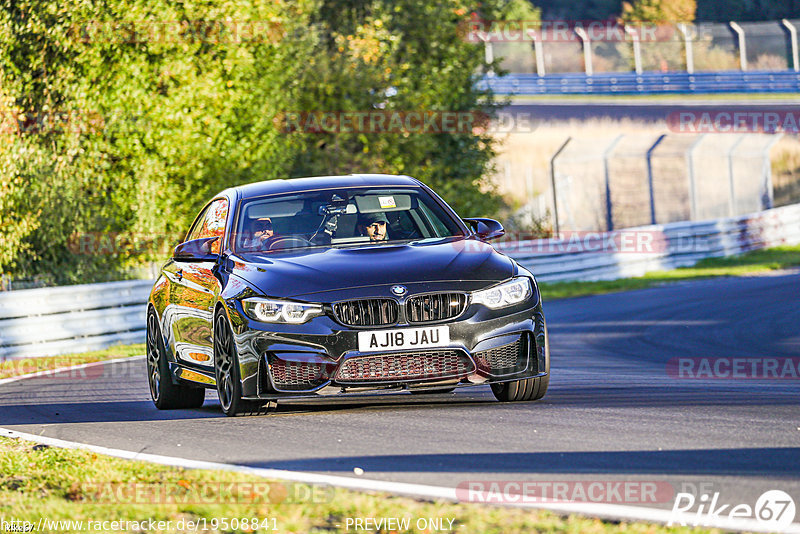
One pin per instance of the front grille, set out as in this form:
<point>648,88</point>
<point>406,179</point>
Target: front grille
<point>298,376</point>
<point>506,359</point>
<point>435,307</point>
<point>366,312</point>
<point>404,366</point>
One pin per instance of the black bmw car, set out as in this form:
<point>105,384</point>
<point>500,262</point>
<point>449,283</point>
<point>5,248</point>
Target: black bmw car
<point>340,285</point>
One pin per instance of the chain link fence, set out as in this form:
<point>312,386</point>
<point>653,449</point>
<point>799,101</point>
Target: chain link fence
<point>764,46</point>
<point>637,179</point>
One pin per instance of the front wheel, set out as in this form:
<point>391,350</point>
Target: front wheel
<point>166,395</point>
<point>226,370</point>
<point>527,389</point>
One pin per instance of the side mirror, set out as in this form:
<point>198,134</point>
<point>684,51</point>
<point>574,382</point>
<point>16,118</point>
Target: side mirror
<point>196,250</point>
<point>486,229</point>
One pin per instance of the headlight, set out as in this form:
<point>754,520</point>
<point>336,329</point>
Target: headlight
<point>506,294</point>
<point>280,311</point>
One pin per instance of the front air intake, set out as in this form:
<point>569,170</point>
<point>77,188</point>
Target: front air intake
<point>435,307</point>
<point>366,312</point>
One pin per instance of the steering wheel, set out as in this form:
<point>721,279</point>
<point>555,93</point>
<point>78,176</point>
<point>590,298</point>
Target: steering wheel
<point>290,241</point>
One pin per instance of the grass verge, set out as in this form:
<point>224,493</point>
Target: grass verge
<point>9,368</point>
<point>751,263</point>
<point>70,485</point>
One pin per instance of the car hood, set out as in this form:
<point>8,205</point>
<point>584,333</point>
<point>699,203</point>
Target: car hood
<point>304,273</point>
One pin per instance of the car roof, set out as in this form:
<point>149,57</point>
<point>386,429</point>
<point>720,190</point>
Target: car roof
<point>298,185</point>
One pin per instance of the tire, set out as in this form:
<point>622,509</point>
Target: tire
<point>226,370</point>
<point>166,395</point>
<point>527,389</point>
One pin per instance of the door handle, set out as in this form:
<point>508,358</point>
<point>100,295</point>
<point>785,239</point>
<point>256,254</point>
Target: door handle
<point>179,274</point>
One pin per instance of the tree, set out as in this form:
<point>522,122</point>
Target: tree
<point>402,56</point>
<point>125,116</point>
<point>659,11</point>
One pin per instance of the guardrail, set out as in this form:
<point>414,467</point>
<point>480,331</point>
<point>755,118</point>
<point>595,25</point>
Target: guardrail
<point>600,255</point>
<point>644,83</point>
<point>59,320</point>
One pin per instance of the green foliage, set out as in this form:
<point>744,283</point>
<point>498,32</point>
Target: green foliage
<point>121,118</point>
<point>659,11</point>
<point>416,53</point>
<point>520,10</point>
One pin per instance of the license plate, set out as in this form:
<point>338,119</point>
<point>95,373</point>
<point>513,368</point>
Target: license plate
<point>405,338</point>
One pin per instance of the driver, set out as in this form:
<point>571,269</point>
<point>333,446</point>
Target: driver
<point>261,230</point>
<point>373,225</point>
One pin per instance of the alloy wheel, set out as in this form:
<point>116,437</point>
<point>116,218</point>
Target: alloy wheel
<point>223,362</point>
<point>153,356</point>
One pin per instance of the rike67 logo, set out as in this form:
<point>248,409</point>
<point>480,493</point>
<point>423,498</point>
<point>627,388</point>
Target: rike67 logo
<point>774,510</point>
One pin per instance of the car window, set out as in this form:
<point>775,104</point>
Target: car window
<point>211,223</point>
<point>340,218</point>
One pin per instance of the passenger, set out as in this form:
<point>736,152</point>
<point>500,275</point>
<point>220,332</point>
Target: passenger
<point>373,225</point>
<point>261,230</point>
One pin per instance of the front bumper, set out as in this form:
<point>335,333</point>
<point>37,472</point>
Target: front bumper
<point>321,357</point>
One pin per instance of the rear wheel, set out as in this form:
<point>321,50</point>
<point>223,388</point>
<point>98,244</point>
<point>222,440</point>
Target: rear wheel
<point>166,395</point>
<point>226,370</point>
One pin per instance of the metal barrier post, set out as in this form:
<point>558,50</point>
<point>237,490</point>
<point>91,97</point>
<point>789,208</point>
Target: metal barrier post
<point>637,49</point>
<point>587,49</point>
<point>553,183</point>
<point>687,42</point>
<point>488,51</point>
<point>692,185</point>
<point>537,51</point>
<point>650,178</point>
<point>529,189</point>
<point>606,154</point>
<point>793,37</point>
<point>769,197</point>
<point>731,185</point>
<point>742,45</point>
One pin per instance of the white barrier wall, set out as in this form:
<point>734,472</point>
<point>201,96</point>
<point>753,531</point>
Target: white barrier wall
<point>60,320</point>
<point>636,251</point>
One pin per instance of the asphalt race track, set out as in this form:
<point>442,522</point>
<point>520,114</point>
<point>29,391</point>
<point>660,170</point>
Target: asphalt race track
<point>613,412</point>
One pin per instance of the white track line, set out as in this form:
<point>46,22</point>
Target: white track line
<point>604,510</point>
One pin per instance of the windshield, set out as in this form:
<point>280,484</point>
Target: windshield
<point>340,218</point>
